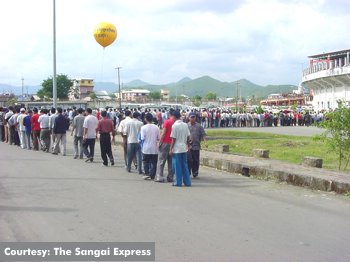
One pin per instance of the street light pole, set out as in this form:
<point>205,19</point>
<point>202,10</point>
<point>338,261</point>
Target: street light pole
<point>120,97</point>
<point>22,88</point>
<point>54,78</point>
<point>237,83</point>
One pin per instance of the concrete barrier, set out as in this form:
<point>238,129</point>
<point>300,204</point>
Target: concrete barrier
<point>222,148</point>
<point>261,153</point>
<point>312,161</point>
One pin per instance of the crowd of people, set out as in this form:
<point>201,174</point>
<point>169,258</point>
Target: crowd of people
<point>151,139</point>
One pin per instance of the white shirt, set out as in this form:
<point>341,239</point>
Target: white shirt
<point>44,121</point>
<point>122,125</point>
<point>133,129</point>
<point>20,118</point>
<point>150,134</point>
<point>180,132</point>
<point>90,122</point>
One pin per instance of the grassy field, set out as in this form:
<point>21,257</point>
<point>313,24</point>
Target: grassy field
<point>282,147</point>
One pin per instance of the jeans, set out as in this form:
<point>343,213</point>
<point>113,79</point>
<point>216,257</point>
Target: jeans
<point>180,169</point>
<point>150,164</point>
<point>78,151</point>
<point>134,149</point>
<point>29,139</point>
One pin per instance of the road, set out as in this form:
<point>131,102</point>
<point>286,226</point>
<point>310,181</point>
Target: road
<point>223,217</point>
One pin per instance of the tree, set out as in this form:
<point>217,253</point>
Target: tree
<point>197,100</point>
<point>93,95</point>
<point>337,134</point>
<point>63,86</point>
<point>210,96</point>
<point>155,95</point>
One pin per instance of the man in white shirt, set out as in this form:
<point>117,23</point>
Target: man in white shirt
<point>178,149</point>
<point>22,129</point>
<point>132,131</point>
<point>149,137</point>
<point>45,132</point>
<point>89,135</point>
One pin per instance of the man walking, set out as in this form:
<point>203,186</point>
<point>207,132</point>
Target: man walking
<point>22,129</point>
<point>59,130</point>
<point>28,128</point>
<point>163,150</point>
<point>78,130</point>
<point>197,134</point>
<point>149,138</point>
<point>89,135</point>
<point>122,131</point>
<point>35,129</point>
<point>106,127</point>
<point>178,149</point>
<point>45,132</point>
<point>132,131</point>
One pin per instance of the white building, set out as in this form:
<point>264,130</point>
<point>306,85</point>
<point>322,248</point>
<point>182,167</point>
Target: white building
<point>133,95</point>
<point>328,79</point>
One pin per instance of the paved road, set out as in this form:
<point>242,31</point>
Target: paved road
<point>281,130</point>
<point>223,217</point>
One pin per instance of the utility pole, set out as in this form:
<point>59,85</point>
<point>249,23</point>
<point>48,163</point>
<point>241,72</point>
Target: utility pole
<point>22,88</point>
<point>54,78</point>
<point>237,84</point>
<point>120,96</point>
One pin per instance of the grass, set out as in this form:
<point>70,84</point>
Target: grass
<point>291,149</point>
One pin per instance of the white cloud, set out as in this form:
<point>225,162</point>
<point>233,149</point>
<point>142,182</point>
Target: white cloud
<point>162,41</point>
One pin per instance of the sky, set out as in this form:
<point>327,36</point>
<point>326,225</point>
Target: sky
<point>162,41</point>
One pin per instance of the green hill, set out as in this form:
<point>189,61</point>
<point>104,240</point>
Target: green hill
<point>205,84</point>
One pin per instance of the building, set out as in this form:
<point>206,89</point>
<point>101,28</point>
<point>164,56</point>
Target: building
<point>328,79</point>
<point>285,100</point>
<point>165,94</point>
<point>81,89</point>
<point>133,95</point>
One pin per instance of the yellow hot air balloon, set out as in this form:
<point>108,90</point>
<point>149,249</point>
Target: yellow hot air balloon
<point>105,33</point>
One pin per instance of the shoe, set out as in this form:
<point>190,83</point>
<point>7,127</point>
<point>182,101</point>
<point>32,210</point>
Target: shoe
<point>54,153</point>
<point>170,180</point>
<point>112,162</point>
<point>195,176</point>
<point>159,180</point>
<point>89,159</point>
<point>146,178</point>
<point>75,157</point>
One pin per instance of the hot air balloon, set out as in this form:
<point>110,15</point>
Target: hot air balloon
<point>105,34</point>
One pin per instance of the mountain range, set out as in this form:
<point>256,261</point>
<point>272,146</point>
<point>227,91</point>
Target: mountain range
<point>186,86</point>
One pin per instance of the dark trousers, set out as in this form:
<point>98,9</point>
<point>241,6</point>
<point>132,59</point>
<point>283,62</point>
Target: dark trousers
<point>36,137</point>
<point>150,164</point>
<point>193,161</point>
<point>89,147</point>
<point>106,148</point>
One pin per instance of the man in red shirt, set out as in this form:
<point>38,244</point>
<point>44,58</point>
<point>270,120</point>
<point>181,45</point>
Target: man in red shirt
<point>164,147</point>
<point>106,127</point>
<point>35,129</point>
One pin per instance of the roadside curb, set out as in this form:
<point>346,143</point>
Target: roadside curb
<point>313,178</point>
